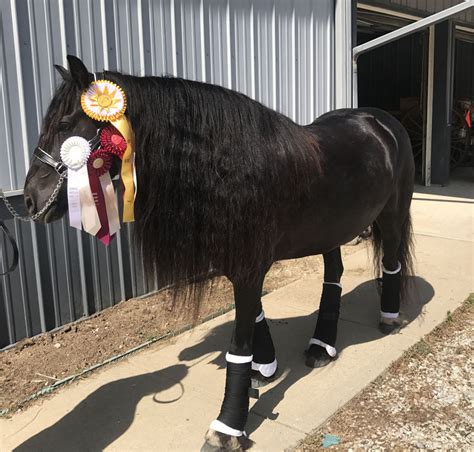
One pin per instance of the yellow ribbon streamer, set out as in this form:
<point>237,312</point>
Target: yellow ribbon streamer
<point>123,126</point>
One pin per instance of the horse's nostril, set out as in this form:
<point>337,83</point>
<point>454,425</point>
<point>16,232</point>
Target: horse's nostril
<point>30,205</point>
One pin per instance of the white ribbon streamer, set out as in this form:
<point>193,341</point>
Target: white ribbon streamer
<point>73,199</point>
<point>89,215</point>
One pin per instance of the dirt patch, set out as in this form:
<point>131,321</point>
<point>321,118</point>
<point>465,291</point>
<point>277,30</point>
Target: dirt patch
<point>424,400</point>
<point>36,363</point>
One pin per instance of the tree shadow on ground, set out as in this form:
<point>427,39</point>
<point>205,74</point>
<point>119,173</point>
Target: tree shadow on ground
<point>360,314</point>
<point>104,415</point>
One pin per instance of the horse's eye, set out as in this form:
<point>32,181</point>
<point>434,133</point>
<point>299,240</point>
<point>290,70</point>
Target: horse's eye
<point>64,126</point>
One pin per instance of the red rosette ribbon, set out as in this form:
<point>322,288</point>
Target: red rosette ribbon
<point>98,167</point>
<point>111,140</point>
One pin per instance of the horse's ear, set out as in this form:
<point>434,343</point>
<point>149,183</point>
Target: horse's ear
<point>64,73</point>
<point>79,72</point>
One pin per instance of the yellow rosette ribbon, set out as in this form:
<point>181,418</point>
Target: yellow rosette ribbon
<point>105,101</point>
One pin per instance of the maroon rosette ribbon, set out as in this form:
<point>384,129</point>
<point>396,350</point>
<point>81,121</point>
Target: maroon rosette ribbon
<point>112,141</point>
<point>99,163</point>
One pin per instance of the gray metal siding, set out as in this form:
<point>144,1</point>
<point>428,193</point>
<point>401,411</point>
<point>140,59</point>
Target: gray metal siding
<point>279,52</point>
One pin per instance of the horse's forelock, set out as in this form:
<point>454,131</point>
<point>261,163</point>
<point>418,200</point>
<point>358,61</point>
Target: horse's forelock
<point>64,101</point>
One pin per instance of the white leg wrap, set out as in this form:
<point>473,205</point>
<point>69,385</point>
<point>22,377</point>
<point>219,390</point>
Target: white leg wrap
<point>260,317</point>
<point>333,284</point>
<point>332,352</point>
<point>389,315</point>
<point>267,370</point>
<point>392,272</point>
<point>237,359</point>
<point>220,427</point>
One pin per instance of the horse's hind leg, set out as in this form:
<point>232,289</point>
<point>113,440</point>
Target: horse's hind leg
<point>321,349</point>
<point>393,228</point>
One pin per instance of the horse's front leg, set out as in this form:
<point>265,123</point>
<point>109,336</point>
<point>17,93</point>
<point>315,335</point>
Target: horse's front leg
<point>227,431</point>
<point>321,349</point>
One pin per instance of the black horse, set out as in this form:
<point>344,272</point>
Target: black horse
<point>227,186</point>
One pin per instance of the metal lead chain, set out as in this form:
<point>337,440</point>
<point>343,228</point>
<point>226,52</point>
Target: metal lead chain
<point>50,201</point>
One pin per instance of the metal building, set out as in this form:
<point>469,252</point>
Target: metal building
<point>279,52</point>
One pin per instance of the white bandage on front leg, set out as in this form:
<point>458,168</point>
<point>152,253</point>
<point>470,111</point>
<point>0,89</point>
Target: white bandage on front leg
<point>331,351</point>
<point>267,370</point>
<point>220,427</point>
<point>389,315</point>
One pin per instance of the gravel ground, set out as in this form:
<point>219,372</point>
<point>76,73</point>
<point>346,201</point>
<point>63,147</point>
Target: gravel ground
<point>425,400</point>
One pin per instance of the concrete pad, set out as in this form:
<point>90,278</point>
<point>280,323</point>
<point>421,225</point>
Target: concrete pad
<point>165,397</point>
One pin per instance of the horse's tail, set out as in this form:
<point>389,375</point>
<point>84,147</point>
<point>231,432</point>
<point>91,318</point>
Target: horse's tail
<point>405,251</point>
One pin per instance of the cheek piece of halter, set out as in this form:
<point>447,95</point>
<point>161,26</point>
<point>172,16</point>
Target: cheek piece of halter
<point>61,168</point>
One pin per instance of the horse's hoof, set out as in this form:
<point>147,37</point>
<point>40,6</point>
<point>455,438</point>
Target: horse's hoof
<point>216,441</point>
<point>258,380</point>
<point>317,356</point>
<point>392,326</point>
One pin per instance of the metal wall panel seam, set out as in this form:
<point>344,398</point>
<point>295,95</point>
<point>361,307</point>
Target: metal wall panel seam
<point>253,66</point>
<point>21,96</point>
<point>23,283</point>
<point>150,24</point>
<point>7,112</point>
<point>103,26</point>
<point>7,290</point>
<point>141,46</point>
<point>39,285</point>
<point>51,61</point>
<point>53,275</point>
<point>34,63</point>
<point>293,63</point>
<point>120,251</point>
<point>312,77</point>
<point>133,266</point>
<point>96,277</point>
<point>39,114</point>
<point>229,45</point>
<point>202,40</point>
<point>82,274</point>
<point>110,276</point>
<point>128,34</point>
<point>77,28</point>
<point>174,58</point>
<point>62,33</point>
<point>92,41</point>
<point>49,49</point>
<point>118,54</point>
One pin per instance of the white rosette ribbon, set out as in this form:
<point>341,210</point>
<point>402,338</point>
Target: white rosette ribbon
<point>75,152</point>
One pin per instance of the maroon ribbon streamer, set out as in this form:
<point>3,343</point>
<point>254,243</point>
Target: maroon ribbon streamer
<point>104,234</point>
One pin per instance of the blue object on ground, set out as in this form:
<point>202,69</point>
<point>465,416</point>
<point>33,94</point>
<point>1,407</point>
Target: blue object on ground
<point>330,440</point>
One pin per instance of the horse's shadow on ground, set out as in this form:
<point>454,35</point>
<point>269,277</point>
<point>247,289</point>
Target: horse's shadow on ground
<point>360,311</point>
<point>104,415</point>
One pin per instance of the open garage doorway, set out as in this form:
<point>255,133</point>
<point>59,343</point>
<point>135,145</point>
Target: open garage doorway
<point>398,77</point>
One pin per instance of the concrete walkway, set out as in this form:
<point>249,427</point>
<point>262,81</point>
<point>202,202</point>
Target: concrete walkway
<point>165,397</point>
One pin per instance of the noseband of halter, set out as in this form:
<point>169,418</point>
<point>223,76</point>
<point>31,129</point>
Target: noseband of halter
<point>58,165</point>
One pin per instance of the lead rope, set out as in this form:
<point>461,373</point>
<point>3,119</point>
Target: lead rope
<point>26,219</point>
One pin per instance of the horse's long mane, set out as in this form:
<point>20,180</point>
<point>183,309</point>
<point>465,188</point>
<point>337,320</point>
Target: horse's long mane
<point>213,167</point>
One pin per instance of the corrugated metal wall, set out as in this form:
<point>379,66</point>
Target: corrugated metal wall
<point>277,51</point>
